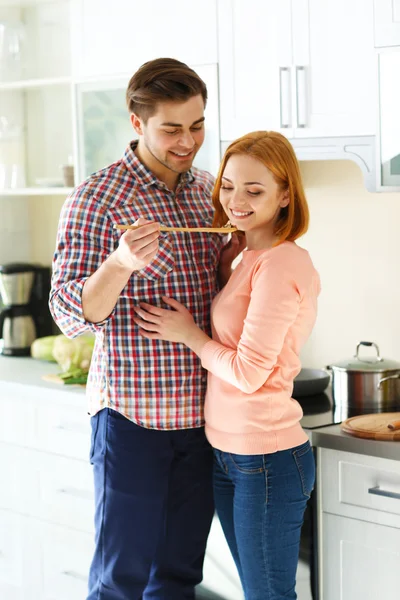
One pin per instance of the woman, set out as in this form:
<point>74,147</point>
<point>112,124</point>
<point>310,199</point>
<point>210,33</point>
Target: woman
<point>264,466</point>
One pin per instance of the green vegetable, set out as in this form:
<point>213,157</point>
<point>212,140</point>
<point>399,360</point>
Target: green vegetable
<point>42,348</point>
<point>74,376</point>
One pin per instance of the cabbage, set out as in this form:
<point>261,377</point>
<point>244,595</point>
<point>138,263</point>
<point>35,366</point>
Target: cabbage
<point>42,348</point>
<point>73,354</point>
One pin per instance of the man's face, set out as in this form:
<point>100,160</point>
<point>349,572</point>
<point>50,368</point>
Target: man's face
<point>173,135</point>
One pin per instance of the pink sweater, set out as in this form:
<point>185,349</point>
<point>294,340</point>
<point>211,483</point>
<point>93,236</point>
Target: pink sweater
<point>260,321</point>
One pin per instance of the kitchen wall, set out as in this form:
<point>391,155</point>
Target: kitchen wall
<point>355,244</point>
<point>354,240</point>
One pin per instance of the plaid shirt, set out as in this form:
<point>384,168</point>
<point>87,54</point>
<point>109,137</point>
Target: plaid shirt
<point>156,384</point>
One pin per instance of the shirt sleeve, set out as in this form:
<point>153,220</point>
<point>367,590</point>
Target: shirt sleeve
<point>84,241</point>
<point>273,308</point>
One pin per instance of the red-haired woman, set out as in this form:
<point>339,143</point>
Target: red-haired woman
<point>264,466</point>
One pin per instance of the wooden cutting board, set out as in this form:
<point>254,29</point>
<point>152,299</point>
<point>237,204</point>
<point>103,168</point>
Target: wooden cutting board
<point>373,426</point>
<point>56,379</point>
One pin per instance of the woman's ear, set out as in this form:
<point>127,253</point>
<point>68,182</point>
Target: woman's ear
<point>285,198</point>
<point>136,124</point>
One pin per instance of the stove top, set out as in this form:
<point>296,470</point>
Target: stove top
<point>319,411</point>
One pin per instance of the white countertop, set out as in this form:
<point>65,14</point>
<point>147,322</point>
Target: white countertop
<point>28,372</point>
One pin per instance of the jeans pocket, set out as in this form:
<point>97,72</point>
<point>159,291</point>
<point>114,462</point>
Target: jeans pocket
<point>304,459</point>
<point>249,464</point>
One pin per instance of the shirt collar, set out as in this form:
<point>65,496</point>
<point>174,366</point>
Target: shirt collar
<point>143,176</point>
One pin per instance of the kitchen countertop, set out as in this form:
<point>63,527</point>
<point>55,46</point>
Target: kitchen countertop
<point>28,371</point>
<point>334,438</point>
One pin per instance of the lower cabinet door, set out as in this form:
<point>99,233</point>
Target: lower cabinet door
<point>19,559</point>
<point>66,557</point>
<point>360,560</point>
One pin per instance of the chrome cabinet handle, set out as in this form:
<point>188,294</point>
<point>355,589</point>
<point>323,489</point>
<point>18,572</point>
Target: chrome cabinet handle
<point>75,492</point>
<point>301,99</point>
<point>377,491</point>
<point>75,575</point>
<point>75,428</point>
<point>284,106</point>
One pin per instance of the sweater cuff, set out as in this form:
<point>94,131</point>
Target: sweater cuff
<point>208,354</point>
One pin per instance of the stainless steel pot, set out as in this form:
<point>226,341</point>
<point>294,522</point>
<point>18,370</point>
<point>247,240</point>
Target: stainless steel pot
<point>366,384</point>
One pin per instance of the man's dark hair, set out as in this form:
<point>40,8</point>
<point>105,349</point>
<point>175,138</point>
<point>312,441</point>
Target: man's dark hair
<point>162,80</point>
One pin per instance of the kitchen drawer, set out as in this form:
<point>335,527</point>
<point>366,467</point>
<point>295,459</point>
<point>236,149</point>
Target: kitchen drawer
<point>360,486</point>
<point>16,419</point>
<point>19,479</point>
<point>63,429</point>
<point>46,486</point>
<point>66,494</point>
<point>66,558</point>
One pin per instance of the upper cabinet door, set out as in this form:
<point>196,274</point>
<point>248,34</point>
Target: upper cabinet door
<point>255,56</point>
<point>387,23</point>
<point>117,40</point>
<point>334,68</point>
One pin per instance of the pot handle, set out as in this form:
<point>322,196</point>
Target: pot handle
<point>387,379</point>
<point>369,344</point>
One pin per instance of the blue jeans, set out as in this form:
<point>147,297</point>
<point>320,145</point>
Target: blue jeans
<point>154,507</point>
<point>260,501</point>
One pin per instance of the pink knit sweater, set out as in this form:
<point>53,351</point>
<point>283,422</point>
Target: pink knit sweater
<point>260,321</point>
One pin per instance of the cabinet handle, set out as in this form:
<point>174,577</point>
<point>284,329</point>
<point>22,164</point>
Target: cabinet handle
<point>76,493</point>
<point>74,428</point>
<point>379,492</point>
<point>284,90</point>
<point>301,98</point>
<point>75,575</point>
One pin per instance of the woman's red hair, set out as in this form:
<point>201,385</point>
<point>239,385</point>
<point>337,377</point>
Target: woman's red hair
<point>276,153</point>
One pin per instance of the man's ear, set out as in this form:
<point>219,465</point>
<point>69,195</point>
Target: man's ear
<point>137,124</point>
<point>285,199</point>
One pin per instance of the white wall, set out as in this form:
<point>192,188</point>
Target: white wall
<point>354,240</point>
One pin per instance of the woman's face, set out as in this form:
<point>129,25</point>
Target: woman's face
<point>250,195</point>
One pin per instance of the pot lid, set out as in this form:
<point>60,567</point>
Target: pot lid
<point>371,364</point>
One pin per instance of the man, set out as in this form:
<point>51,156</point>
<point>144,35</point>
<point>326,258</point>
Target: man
<point>152,463</point>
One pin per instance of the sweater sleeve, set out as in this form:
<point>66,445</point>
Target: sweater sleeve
<point>273,308</point>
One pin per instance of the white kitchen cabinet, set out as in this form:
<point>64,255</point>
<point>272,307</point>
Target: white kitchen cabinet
<point>359,525</point>
<point>333,68</point>
<point>36,138</point>
<point>19,560</point>
<point>387,23</point>
<point>47,496</point>
<point>389,119</point>
<point>302,67</point>
<point>360,560</point>
<point>65,560</point>
<point>118,41</point>
<point>255,59</point>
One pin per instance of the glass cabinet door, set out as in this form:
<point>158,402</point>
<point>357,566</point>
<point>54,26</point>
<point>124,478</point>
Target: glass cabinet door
<point>104,129</point>
<point>389,116</point>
